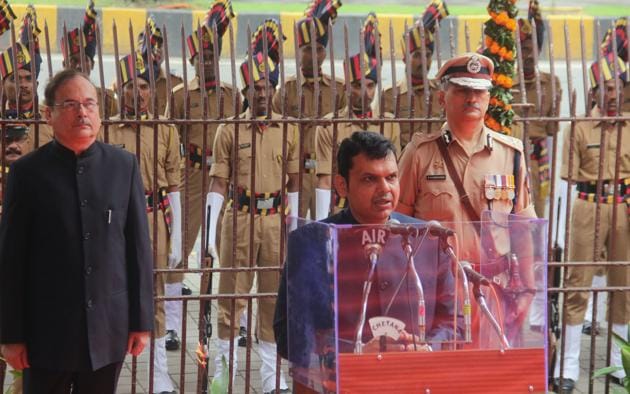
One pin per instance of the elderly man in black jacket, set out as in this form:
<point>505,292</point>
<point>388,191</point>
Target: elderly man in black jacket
<point>75,257</point>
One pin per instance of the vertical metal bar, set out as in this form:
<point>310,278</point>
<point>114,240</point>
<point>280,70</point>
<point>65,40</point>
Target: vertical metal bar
<point>467,35</point>
<point>587,104</point>
<point>34,100</point>
<point>451,38</point>
<point>437,48</point>
<point>425,76</point>
<point>335,131</point>
<point>537,72</point>
<point>48,51</point>
<point>567,225</point>
<point>379,79</point>
<point>234,179</point>
<point>523,91</point>
<point>300,114</point>
<point>347,69</point>
<point>316,91</point>
<point>362,67</point>
<point>103,97</point>
<point>410,95</point>
<point>167,71</point>
<point>392,58</point>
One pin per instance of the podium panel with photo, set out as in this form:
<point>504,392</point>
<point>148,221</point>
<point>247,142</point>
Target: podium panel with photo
<point>392,307</point>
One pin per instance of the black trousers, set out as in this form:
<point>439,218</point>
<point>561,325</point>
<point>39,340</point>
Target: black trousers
<point>44,381</point>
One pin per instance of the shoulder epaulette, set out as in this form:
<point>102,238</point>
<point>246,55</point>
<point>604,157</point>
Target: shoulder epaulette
<point>178,87</point>
<point>420,138</point>
<point>512,142</point>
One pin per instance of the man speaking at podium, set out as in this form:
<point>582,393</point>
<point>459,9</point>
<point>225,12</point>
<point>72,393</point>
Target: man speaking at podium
<point>304,321</point>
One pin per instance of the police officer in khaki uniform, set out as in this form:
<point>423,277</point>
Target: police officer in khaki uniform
<point>157,46</point>
<point>537,131</point>
<point>489,167</point>
<point>267,189</point>
<point>586,144</point>
<point>621,37</point>
<point>318,15</point>
<point>167,178</point>
<point>71,50</point>
<point>192,138</point>
<point>396,99</point>
<point>361,108</point>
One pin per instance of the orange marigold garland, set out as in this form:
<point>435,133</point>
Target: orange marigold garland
<point>501,48</point>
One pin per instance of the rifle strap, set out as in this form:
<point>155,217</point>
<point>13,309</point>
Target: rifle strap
<point>463,196</point>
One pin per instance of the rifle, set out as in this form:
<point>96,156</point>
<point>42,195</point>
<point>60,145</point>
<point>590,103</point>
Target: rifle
<point>553,309</point>
<point>205,325</point>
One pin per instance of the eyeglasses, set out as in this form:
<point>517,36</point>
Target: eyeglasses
<point>73,105</point>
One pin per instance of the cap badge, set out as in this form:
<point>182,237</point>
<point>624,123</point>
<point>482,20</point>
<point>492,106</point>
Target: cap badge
<point>474,65</point>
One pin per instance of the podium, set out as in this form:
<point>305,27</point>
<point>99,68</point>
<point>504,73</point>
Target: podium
<point>390,308</point>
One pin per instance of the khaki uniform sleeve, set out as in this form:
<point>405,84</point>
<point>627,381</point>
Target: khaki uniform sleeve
<point>276,103</point>
<point>396,138</point>
<point>564,170</point>
<point>293,165</point>
<point>222,151</point>
<point>408,176</point>
<point>323,150</point>
<point>172,157</point>
<point>343,102</point>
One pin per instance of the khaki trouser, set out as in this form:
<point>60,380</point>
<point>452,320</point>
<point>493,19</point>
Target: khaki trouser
<point>540,202</point>
<point>160,263</point>
<point>582,239</point>
<point>307,194</point>
<point>266,252</point>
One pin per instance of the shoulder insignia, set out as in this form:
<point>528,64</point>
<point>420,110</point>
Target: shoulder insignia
<point>512,142</point>
<point>422,138</point>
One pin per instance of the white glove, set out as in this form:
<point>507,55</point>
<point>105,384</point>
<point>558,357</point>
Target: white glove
<point>214,202</point>
<point>322,203</point>
<point>294,201</point>
<point>175,253</point>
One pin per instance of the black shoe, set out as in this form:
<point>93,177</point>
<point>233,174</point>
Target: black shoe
<point>587,328</point>
<point>284,391</point>
<point>186,290</point>
<point>242,333</point>
<point>172,340</point>
<point>567,386</point>
<point>168,392</point>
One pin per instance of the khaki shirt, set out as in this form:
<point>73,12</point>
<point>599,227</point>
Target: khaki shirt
<point>324,137</point>
<point>419,111</point>
<point>160,89</point>
<point>428,192</point>
<point>536,129</point>
<point>308,111</point>
<point>586,146</point>
<point>195,131</point>
<point>110,107</point>
<point>168,156</point>
<point>268,158</point>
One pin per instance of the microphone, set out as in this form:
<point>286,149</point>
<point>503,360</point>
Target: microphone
<point>437,230</point>
<point>473,275</point>
<point>432,227</point>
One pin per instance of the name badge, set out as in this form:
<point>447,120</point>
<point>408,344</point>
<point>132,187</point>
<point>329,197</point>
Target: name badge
<point>436,177</point>
<point>593,146</point>
<point>243,146</point>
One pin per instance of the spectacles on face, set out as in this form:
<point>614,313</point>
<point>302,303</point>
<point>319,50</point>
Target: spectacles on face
<point>73,105</point>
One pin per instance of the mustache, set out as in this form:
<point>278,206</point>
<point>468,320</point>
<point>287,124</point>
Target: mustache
<point>12,151</point>
<point>472,105</point>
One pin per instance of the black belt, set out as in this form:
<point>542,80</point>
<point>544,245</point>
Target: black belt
<point>196,156</point>
<point>266,203</point>
<point>608,187</point>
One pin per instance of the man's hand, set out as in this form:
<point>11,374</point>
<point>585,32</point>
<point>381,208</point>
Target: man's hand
<point>15,355</point>
<point>137,341</point>
<point>404,344</point>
